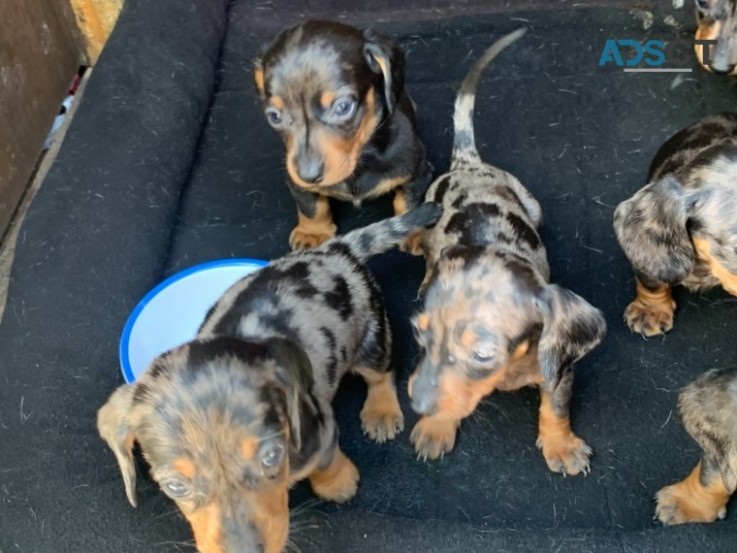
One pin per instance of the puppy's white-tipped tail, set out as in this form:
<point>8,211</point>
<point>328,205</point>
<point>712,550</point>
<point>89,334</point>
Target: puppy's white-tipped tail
<point>464,144</point>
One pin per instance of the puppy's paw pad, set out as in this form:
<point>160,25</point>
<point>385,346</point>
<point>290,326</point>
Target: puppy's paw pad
<point>432,438</point>
<point>339,482</point>
<point>301,239</point>
<point>649,320</point>
<point>675,505</point>
<point>567,455</point>
<point>382,421</point>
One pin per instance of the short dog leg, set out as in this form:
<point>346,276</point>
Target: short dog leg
<point>434,436</point>
<point>700,497</point>
<point>381,416</point>
<point>564,452</point>
<point>315,224</point>
<point>338,481</point>
<point>652,311</point>
<point>408,197</point>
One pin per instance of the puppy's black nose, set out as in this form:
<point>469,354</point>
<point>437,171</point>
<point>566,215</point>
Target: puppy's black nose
<point>722,70</point>
<point>310,169</point>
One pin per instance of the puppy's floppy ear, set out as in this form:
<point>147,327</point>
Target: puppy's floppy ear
<point>384,56</point>
<point>651,228</point>
<point>294,373</point>
<point>571,328</point>
<point>113,427</point>
<point>258,78</point>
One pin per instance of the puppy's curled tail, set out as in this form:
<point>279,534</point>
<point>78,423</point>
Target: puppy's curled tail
<point>464,143</point>
<point>384,235</point>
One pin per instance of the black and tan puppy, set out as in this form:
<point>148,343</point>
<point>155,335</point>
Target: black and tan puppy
<point>230,420</point>
<point>708,408</point>
<point>491,321</point>
<point>336,95</point>
<point>717,21</point>
<point>682,227</point>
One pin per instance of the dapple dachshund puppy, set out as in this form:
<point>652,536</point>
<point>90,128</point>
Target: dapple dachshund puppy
<point>491,321</point>
<point>682,227</point>
<point>229,421</point>
<point>336,95</point>
<point>708,408</point>
<point>717,21</point>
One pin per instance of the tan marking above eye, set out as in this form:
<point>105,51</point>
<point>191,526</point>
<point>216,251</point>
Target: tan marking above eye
<point>185,467</point>
<point>468,338</point>
<point>277,102</point>
<point>249,447</point>
<point>327,98</point>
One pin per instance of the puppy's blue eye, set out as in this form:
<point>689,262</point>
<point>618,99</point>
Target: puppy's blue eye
<point>344,107</point>
<point>273,116</point>
<point>272,454</point>
<point>702,4</point>
<point>176,488</point>
<point>482,356</point>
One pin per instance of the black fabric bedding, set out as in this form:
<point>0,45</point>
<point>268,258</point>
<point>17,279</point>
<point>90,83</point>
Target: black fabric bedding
<point>169,162</point>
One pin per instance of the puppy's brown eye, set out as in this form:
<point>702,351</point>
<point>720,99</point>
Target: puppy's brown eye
<point>272,454</point>
<point>273,116</point>
<point>344,107</point>
<point>176,488</point>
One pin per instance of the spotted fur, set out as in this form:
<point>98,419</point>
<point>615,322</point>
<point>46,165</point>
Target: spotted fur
<point>491,319</point>
<point>681,228</point>
<point>708,409</point>
<point>230,420</point>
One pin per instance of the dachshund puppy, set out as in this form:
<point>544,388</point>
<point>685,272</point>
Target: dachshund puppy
<point>717,21</point>
<point>491,321</point>
<point>229,421</point>
<point>336,95</point>
<point>682,227</point>
<point>708,408</point>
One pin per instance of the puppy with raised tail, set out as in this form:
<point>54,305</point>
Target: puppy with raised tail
<point>229,421</point>
<point>708,408</point>
<point>491,320</point>
<point>681,228</point>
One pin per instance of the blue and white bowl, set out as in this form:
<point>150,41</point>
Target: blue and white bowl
<point>170,314</point>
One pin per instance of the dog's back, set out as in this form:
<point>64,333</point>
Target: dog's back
<point>483,205</point>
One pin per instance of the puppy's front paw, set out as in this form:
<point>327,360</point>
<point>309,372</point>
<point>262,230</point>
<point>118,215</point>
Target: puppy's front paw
<point>650,319</point>
<point>381,416</point>
<point>681,503</point>
<point>565,453</point>
<point>339,482</point>
<point>303,238</point>
<point>433,437</point>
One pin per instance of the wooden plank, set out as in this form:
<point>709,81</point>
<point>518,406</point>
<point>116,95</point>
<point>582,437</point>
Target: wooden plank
<point>96,19</point>
<point>39,55</point>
